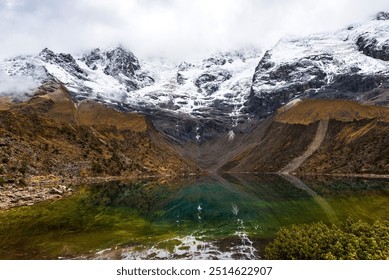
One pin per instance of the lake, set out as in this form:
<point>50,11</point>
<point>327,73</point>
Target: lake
<point>220,217</point>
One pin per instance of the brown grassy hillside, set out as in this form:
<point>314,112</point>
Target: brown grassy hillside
<point>310,111</point>
<point>355,142</point>
<point>50,136</point>
<point>360,147</point>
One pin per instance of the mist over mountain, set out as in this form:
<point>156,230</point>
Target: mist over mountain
<point>176,29</point>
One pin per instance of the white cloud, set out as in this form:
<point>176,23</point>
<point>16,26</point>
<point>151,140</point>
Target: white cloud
<point>16,87</point>
<point>175,28</point>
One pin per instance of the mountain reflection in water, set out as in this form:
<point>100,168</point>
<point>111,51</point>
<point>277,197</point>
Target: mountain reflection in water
<point>220,217</point>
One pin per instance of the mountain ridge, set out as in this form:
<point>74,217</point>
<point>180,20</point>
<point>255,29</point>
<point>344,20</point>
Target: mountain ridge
<point>220,112</point>
<point>227,90</point>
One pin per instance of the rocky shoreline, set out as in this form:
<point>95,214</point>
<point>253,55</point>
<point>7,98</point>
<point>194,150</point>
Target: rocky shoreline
<point>41,188</point>
<point>51,187</point>
<point>13,196</point>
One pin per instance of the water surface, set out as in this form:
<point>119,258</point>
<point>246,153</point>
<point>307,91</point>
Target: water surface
<point>229,217</point>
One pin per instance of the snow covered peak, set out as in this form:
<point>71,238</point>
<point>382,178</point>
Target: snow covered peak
<point>119,63</point>
<point>114,61</point>
<point>230,85</point>
<point>221,58</point>
<point>216,86</point>
<point>382,16</point>
<point>107,75</point>
<point>343,64</point>
<point>48,55</point>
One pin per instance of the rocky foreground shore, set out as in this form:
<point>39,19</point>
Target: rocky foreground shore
<point>13,196</point>
<point>41,188</point>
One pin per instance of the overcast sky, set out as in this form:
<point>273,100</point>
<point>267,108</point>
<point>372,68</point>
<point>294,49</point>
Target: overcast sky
<point>173,28</point>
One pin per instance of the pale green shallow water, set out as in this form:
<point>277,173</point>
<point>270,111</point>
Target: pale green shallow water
<point>211,218</point>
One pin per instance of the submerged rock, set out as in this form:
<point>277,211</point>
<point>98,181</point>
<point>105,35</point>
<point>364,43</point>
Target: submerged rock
<point>56,191</point>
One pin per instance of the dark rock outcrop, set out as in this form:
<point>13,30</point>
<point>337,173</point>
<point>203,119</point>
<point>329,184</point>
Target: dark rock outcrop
<point>65,61</point>
<point>382,16</point>
<point>210,82</point>
<point>371,47</point>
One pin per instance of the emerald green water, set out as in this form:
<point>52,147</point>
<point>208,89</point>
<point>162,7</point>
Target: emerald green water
<point>213,218</point>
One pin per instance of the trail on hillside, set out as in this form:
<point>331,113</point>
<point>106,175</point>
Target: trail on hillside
<point>315,144</point>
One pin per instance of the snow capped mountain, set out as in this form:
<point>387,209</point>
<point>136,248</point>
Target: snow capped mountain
<point>107,74</point>
<point>374,38</point>
<point>345,64</point>
<point>220,83</point>
<point>200,99</point>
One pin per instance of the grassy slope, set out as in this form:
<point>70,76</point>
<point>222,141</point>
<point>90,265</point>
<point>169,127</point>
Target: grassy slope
<point>356,141</point>
<point>50,135</point>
